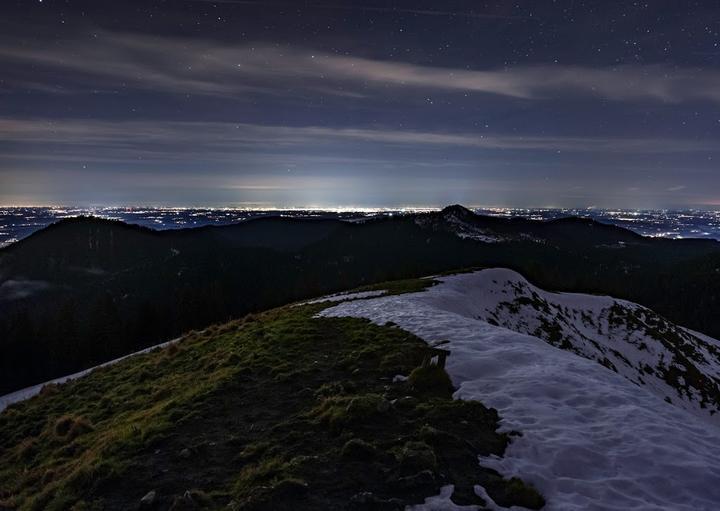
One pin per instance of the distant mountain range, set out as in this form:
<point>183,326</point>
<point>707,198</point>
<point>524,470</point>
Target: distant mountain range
<point>19,222</point>
<point>85,290</point>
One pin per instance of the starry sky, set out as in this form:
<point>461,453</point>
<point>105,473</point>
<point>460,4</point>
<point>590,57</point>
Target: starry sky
<point>330,103</point>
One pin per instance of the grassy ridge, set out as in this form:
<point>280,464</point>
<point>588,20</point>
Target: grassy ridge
<point>274,411</point>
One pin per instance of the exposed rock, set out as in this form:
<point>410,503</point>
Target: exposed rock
<point>184,503</point>
<point>149,499</point>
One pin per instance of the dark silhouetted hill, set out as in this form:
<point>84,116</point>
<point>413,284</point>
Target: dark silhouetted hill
<point>85,290</point>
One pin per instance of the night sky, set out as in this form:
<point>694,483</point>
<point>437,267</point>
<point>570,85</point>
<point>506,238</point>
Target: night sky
<point>376,104</point>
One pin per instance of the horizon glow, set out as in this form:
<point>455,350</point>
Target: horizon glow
<point>272,105</point>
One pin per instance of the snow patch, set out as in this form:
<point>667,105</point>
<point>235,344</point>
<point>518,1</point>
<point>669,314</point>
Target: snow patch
<point>28,392</point>
<point>339,297</point>
<point>16,289</point>
<point>443,502</point>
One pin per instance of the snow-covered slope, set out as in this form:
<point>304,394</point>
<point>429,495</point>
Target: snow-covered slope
<point>591,437</point>
<point>681,367</point>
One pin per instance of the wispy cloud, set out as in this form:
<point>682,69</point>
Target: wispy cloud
<point>464,13</point>
<point>163,141</point>
<point>621,83</point>
<point>191,66</point>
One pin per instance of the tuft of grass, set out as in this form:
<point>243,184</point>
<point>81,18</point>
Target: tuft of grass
<point>69,427</point>
<point>358,449</point>
<point>398,287</point>
<point>430,379</point>
<point>339,411</point>
<point>416,456</point>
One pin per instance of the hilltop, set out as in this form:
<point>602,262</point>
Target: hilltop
<point>280,410</point>
<point>476,389</point>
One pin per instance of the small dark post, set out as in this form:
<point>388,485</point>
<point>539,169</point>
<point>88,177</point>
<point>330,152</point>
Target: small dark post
<point>435,352</point>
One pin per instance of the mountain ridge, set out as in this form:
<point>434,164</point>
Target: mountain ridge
<point>138,287</point>
<point>280,410</point>
<point>219,418</point>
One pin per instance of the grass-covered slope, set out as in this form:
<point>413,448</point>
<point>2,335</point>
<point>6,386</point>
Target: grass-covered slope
<point>280,410</point>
